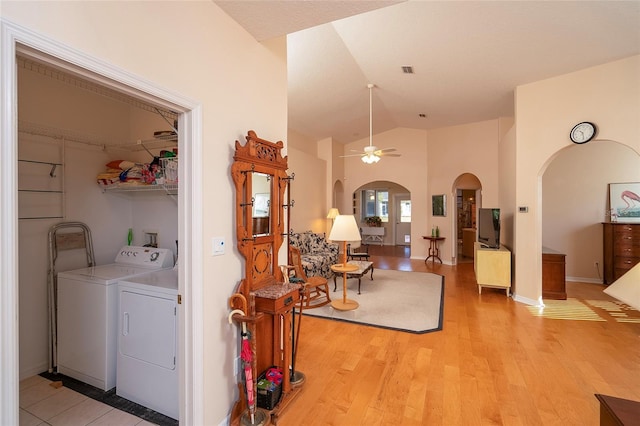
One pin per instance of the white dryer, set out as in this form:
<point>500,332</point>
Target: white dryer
<point>88,313</point>
<point>147,370</point>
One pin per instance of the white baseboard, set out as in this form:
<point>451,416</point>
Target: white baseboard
<point>584,280</point>
<point>33,371</point>
<point>525,300</point>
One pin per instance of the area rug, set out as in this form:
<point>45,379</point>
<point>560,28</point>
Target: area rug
<point>397,300</point>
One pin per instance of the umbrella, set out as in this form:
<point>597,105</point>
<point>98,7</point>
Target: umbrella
<point>246,354</point>
<point>247,357</point>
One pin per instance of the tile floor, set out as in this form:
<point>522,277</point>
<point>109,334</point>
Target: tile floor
<point>42,404</point>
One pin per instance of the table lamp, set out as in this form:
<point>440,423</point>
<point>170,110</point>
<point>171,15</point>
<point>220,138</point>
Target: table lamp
<point>333,213</point>
<point>344,229</point>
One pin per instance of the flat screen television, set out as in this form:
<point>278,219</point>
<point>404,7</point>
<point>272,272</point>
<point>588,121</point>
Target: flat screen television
<point>489,227</point>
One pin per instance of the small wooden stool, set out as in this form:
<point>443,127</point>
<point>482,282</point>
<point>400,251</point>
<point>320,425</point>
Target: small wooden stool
<point>314,289</point>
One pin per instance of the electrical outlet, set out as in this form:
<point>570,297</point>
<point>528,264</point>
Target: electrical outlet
<point>236,366</point>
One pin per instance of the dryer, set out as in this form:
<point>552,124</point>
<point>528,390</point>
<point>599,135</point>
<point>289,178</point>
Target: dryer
<point>147,366</point>
<point>87,313</point>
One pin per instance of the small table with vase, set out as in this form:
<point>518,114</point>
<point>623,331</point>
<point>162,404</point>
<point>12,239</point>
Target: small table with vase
<point>434,250</point>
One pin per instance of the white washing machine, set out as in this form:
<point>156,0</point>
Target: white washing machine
<point>88,313</point>
<point>147,370</point>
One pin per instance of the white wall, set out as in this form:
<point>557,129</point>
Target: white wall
<point>308,190</point>
<point>408,171</point>
<point>195,50</point>
<point>469,148</point>
<point>608,95</point>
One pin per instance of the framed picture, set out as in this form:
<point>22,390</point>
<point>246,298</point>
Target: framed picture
<point>439,205</point>
<point>624,201</point>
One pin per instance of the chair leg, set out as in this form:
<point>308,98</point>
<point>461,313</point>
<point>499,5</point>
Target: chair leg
<point>317,292</point>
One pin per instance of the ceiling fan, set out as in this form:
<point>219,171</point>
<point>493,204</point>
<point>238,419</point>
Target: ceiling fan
<point>371,154</point>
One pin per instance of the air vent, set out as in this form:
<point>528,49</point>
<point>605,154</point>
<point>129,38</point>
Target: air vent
<point>407,69</point>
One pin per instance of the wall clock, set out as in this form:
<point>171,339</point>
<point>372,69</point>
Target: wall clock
<point>583,132</point>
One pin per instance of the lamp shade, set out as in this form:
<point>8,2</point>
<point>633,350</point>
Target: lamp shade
<point>345,228</point>
<point>333,213</point>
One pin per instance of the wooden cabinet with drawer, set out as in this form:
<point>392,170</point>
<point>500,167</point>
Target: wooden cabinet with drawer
<point>621,249</point>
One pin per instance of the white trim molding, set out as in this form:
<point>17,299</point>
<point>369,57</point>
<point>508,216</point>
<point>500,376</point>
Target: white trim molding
<point>14,39</point>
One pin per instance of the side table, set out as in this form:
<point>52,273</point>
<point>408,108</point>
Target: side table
<point>434,250</point>
<point>344,304</point>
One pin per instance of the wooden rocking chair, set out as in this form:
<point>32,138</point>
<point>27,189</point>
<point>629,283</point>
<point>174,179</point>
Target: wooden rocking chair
<point>315,290</point>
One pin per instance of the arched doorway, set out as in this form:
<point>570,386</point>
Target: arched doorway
<point>392,203</point>
<point>575,201</point>
<point>467,188</point>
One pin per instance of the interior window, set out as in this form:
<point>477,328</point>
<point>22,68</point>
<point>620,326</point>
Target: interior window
<point>375,203</point>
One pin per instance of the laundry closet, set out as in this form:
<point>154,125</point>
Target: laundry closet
<point>69,129</point>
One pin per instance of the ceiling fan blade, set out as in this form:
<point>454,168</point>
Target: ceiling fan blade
<point>352,155</point>
<point>386,150</point>
<point>390,155</point>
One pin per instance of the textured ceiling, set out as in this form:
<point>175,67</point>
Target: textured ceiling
<point>467,56</point>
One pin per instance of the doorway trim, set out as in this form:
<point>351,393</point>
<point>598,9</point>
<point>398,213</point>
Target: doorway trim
<point>14,38</point>
<point>396,220</point>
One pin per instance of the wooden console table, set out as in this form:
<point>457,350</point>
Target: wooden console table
<point>434,250</point>
<point>617,411</point>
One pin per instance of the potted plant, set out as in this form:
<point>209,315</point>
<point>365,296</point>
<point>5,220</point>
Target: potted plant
<point>373,221</point>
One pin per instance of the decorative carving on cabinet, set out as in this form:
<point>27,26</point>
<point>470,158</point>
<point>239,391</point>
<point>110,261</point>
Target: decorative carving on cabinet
<point>259,158</point>
<point>260,176</point>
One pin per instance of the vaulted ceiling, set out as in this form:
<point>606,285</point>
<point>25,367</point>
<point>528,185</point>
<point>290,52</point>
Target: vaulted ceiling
<point>467,56</point>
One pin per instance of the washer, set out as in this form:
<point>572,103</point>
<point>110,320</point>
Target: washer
<point>147,370</point>
<point>88,313</point>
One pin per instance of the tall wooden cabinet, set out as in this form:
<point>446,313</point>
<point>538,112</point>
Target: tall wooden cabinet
<point>621,249</point>
<point>262,301</point>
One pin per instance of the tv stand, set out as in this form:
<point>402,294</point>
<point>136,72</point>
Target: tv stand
<point>492,267</point>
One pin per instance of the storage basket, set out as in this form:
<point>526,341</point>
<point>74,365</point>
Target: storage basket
<point>270,391</point>
<point>170,169</point>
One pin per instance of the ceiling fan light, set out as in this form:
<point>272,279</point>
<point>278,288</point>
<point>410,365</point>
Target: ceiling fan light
<point>370,158</point>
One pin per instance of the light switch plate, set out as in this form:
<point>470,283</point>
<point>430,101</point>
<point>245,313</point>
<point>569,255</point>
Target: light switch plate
<point>217,246</point>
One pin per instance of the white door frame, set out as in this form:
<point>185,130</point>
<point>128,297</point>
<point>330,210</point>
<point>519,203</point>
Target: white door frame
<point>396,222</point>
<point>14,38</point>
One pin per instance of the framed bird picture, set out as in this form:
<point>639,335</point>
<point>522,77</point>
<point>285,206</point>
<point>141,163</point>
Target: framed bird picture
<point>624,202</point>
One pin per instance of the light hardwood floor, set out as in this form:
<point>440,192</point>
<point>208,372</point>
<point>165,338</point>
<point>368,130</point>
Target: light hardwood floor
<point>494,362</point>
